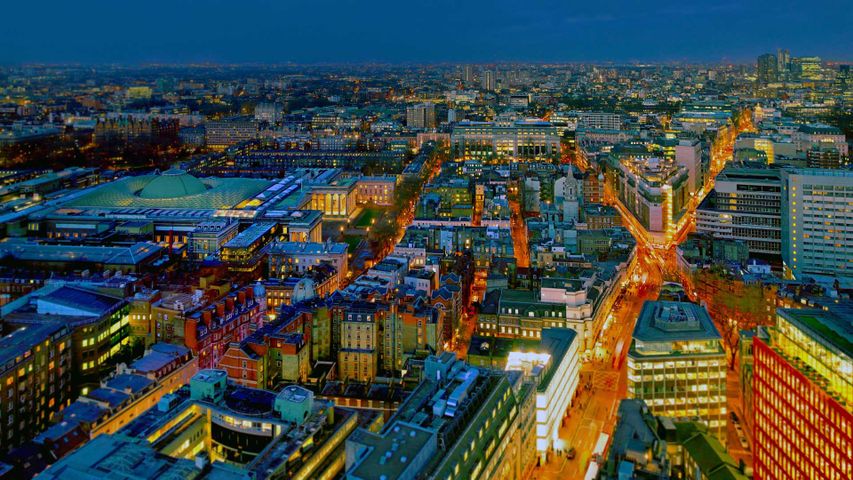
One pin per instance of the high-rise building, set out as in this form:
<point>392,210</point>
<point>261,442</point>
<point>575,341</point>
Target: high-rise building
<point>688,154</point>
<point>783,64</point>
<point>803,395</point>
<point>817,224</point>
<point>807,69</point>
<point>768,69</point>
<point>745,205</point>
<point>489,82</point>
<point>468,74</point>
<point>677,364</point>
<point>421,115</point>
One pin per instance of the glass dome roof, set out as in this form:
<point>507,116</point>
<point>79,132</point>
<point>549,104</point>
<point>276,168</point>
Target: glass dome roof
<point>172,183</point>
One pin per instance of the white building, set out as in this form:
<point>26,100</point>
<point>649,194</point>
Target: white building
<point>523,139</point>
<point>817,224</point>
<point>555,367</point>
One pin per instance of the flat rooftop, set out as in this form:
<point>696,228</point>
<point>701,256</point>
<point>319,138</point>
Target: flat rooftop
<point>248,236</point>
<point>831,328</point>
<point>667,321</point>
<point>309,248</point>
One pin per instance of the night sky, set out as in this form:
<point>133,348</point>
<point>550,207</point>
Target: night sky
<point>405,31</point>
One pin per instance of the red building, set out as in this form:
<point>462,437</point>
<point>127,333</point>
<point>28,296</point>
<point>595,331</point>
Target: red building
<point>209,332</point>
<point>803,389</point>
<point>276,352</point>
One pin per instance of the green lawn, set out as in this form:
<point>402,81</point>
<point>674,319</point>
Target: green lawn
<point>367,216</point>
<point>352,241</point>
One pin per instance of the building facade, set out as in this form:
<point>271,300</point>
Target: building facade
<point>803,392</point>
<point>677,365</point>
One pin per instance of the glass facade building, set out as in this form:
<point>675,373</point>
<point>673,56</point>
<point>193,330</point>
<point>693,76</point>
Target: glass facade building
<point>677,364</point>
<point>803,389</point>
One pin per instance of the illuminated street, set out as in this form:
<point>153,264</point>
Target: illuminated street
<point>366,241</point>
<point>518,231</point>
<point>602,386</point>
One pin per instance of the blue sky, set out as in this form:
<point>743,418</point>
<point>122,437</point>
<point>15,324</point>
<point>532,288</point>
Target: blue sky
<point>321,31</point>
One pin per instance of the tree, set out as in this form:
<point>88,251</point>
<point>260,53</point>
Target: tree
<point>733,305</point>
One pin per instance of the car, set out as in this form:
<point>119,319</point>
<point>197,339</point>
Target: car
<point>571,453</point>
<point>733,416</point>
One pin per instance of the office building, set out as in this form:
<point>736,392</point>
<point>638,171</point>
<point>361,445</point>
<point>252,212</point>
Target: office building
<point>554,367</point>
<point>100,326</point>
<point>220,430</point>
<point>825,156</point>
<point>504,141</point>
<point>221,134</point>
<point>207,238</point>
<point>745,205</point>
<point>653,188</point>
<point>677,365</point>
<point>803,395</point>
<point>768,69</point>
<point>817,224</point>
<point>638,449</point>
<point>246,251</point>
<point>646,446</point>
<point>688,154</point>
<point>128,393</point>
<point>421,116</point>
<point>599,120</point>
<point>564,303</point>
<point>35,380</point>
<point>460,422</point>
<point>288,257</point>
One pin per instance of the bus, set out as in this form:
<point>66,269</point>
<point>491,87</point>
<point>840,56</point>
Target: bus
<point>600,447</point>
<point>618,354</point>
<point>591,472</point>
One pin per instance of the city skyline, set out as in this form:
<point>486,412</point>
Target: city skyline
<point>447,240</point>
<point>444,31</point>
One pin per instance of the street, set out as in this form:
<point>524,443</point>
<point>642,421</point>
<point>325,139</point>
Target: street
<point>601,385</point>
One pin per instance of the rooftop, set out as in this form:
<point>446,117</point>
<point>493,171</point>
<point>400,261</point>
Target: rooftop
<point>34,252</point>
<point>22,340</point>
<point>71,300</point>
<point>827,327</point>
<point>308,248</point>
<point>674,321</point>
<point>172,189</point>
